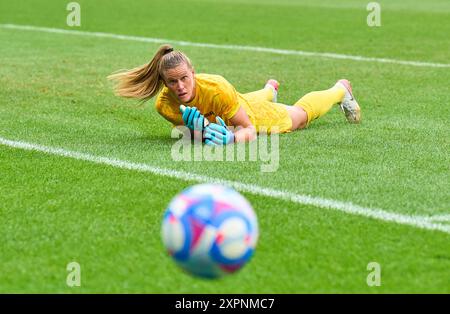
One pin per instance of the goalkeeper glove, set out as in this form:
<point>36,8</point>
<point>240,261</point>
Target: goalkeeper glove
<point>192,118</point>
<point>218,134</point>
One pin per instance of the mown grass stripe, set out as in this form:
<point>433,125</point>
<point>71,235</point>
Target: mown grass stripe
<point>345,207</point>
<point>327,55</point>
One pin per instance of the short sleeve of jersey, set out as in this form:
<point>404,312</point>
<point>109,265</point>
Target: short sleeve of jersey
<point>168,108</point>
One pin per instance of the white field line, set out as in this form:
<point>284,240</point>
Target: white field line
<point>439,218</point>
<point>228,47</point>
<point>349,208</point>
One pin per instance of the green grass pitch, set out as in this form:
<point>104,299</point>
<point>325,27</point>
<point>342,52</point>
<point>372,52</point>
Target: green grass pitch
<point>54,92</point>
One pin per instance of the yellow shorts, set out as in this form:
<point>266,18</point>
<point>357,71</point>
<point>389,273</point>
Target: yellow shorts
<point>266,116</point>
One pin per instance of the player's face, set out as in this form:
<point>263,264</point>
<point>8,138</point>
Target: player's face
<point>181,82</point>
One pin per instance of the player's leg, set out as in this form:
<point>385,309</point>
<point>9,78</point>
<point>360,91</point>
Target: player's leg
<point>315,104</point>
<point>298,116</point>
<point>268,93</point>
<point>318,103</point>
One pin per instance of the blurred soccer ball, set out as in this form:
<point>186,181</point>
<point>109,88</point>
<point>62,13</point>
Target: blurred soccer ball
<point>210,230</point>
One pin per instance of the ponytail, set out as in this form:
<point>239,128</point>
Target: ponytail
<point>146,81</point>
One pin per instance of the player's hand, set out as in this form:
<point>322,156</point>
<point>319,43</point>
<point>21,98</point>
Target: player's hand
<point>193,119</point>
<point>218,134</point>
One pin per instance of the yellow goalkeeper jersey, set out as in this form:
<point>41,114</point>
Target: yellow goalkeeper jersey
<point>215,96</point>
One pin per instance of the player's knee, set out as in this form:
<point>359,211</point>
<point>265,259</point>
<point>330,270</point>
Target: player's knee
<point>299,117</point>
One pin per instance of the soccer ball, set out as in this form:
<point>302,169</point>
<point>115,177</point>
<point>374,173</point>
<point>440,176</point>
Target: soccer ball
<point>210,230</point>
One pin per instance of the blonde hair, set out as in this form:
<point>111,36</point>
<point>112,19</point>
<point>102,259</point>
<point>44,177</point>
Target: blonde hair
<point>145,81</point>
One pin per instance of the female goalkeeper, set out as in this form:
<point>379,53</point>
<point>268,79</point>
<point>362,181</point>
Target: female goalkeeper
<point>170,74</point>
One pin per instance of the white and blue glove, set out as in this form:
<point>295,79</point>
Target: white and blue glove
<point>218,134</point>
<point>192,118</point>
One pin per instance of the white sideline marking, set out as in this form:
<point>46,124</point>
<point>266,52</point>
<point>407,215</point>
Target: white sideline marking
<point>228,47</point>
<point>349,208</point>
<point>440,218</point>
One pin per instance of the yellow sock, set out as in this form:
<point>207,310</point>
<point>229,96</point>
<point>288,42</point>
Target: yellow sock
<point>261,95</point>
<point>316,104</point>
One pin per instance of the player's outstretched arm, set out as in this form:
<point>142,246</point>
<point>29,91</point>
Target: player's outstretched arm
<point>246,131</point>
